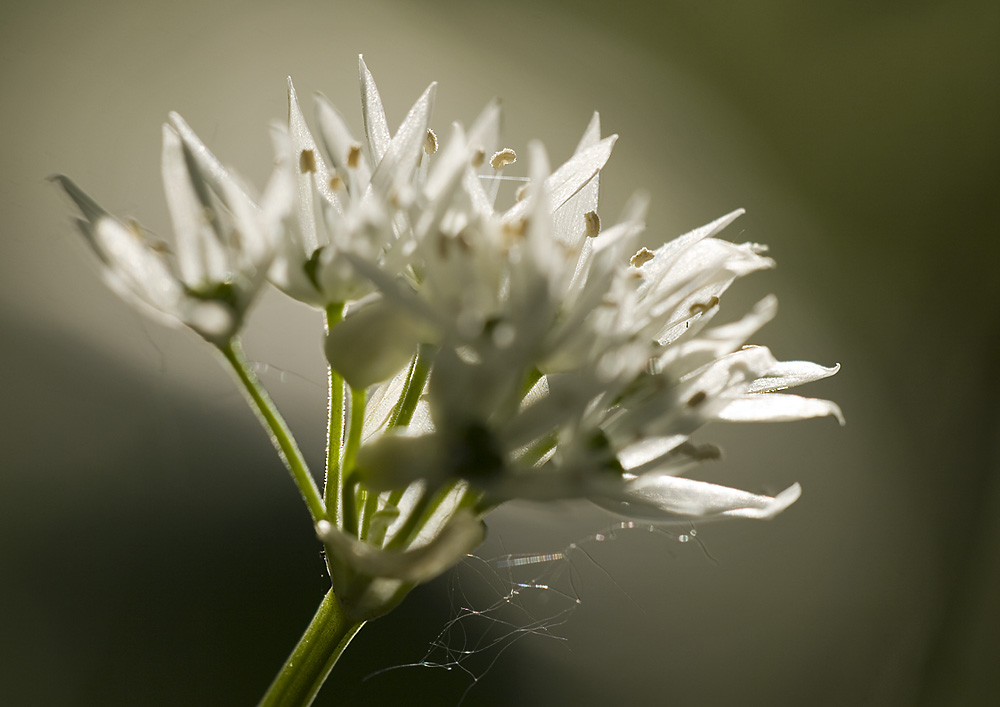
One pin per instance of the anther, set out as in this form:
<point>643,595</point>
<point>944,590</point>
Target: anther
<point>702,307</point>
<point>641,258</point>
<point>430,142</point>
<point>354,156</point>
<point>504,157</point>
<point>593,224</point>
<point>307,161</point>
<point>478,157</point>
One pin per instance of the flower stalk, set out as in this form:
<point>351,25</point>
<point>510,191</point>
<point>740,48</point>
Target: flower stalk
<point>278,430</point>
<point>312,659</point>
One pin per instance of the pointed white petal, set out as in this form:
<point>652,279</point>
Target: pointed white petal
<point>207,163</point>
<point>661,497</point>
<point>395,170</point>
<point>570,178</point>
<point>338,142</point>
<point>310,174</point>
<point>788,374</point>
<point>200,256</point>
<point>373,114</point>
<point>778,407</point>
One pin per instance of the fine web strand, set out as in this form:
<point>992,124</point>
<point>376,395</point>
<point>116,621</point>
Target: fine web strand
<point>500,600</point>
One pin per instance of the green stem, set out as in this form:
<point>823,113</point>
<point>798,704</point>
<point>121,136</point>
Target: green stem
<point>416,379</point>
<point>281,436</point>
<point>332,490</point>
<point>349,494</point>
<point>314,656</point>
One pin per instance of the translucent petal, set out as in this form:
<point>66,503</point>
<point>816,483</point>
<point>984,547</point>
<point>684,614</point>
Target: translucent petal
<point>662,497</point>
<point>569,178</point>
<point>453,541</point>
<point>568,220</point>
<point>402,154</point>
<point>371,344</point>
<point>311,175</point>
<point>338,142</point>
<point>395,460</point>
<point>788,374</point>
<point>373,114</point>
<point>201,257</point>
<point>778,407</point>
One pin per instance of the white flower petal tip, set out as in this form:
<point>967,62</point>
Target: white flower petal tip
<point>455,540</point>
<point>661,497</point>
<point>779,407</point>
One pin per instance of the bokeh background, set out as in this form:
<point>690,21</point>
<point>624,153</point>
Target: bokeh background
<point>152,549</point>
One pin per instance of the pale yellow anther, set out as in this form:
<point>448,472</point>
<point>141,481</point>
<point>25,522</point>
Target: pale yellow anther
<point>336,183</point>
<point>504,157</point>
<point>702,307</point>
<point>307,161</point>
<point>478,157</point>
<point>593,224</point>
<point>430,142</point>
<point>354,156</point>
<point>642,257</point>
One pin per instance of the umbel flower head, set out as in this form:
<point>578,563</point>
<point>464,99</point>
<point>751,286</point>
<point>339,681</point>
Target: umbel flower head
<point>478,353</point>
<point>537,355</point>
<point>224,239</point>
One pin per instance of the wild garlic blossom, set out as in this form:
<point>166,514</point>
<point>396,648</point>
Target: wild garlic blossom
<point>477,353</point>
<point>224,239</point>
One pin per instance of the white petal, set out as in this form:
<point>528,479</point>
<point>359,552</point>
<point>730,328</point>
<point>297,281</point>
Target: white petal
<point>209,165</point>
<point>454,540</point>
<point>570,178</point>
<point>662,497</point>
<point>371,344</point>
<point>310,174</point>
<point>778,407</point>
<point>569,224</point>
<point>395,169</point>
<point>680,358</point>
<point>200,255</point>
<point>395,460</point>
<point>788,374</point>
<point>338,142</point>
<point>373,114</point>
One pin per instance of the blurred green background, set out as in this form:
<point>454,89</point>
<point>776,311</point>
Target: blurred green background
<point>152,549</point>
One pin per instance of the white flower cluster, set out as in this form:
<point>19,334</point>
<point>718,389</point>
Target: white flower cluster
<point>518,353</point>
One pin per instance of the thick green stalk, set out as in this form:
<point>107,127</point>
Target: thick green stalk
<point>281,435</point>
<point>314,656</point>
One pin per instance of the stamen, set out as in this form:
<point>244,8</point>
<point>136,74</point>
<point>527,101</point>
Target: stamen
<point>697,399</point>
<point>354,156</point>
<point>478,157</point>
<point>336,183</point>
<point>504,157</point>
<point>593,224</point>
<point>702,307</point>
<point>307,161</point>
<point>430,142</point>
<point>642,257</point>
